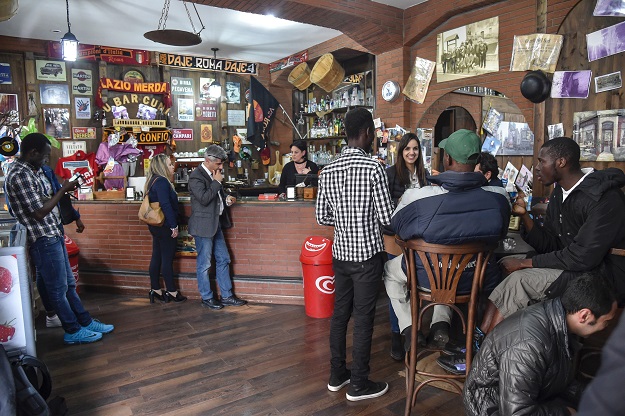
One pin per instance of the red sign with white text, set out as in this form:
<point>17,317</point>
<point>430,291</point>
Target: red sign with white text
<point>182,134</point>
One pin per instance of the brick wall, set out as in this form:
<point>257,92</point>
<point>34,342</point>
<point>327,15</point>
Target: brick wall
<point>264,243</point>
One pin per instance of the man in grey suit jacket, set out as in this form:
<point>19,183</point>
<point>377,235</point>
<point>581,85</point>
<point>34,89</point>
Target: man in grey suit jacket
<point>208,216</point>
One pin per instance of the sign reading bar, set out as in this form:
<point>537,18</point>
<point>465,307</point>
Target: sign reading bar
<point>120,56</point>
<point>211,64</point>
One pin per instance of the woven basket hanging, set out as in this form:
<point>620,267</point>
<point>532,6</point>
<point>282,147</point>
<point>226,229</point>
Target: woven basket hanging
<point>300,76</point>
<point>327,73</point>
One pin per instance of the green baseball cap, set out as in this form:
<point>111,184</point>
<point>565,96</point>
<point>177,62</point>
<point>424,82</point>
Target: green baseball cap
<point>463,146</point>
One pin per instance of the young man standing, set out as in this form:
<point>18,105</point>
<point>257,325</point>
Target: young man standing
<point>354,198</point>
<point>34,201</point>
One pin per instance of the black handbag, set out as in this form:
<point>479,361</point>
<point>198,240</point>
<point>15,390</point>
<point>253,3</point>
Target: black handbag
<point>68,214</point>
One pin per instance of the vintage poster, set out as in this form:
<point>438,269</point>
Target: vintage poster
<point>555,130</point>
<point>426,136</point>
<point>32,103</point>
<point>492,120</point>
<point>185,109</point>
<point>206,133</point>
<point>80,133</point>
<point>571,84</point>
<point>236,117</point>
<point>5,74</point>
<point>524,180</point>
<point>56,121</point>
<point>182,86</point>
<point>8,104</point>
<point>516,139</point>
<point>491,145</point>
<point>233,92</point>
<point>509,176</point>
<point>609,8</point>
<point>54,94</point>
<point>205,112</point>
<point>608,82</point>
<point>50,70</point>
<point>205,84</point>
<point>468,51</point>
<point>82,83</point>
<point>600,135</point>
<point>82,107</point>
<point>536,52</point>
<point>606,42</point>
<point>417,86</point>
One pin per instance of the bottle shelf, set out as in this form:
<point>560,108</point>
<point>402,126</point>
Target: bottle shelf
<point>325,138</point>
<point>339,110</point>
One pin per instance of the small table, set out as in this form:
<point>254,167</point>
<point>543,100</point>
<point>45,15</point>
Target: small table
<point>513,243</point>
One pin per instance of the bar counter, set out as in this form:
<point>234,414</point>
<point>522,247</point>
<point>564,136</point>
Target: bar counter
<point>264,243</point>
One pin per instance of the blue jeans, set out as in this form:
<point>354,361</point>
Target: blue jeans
<point>50,258</point>
<point>205,247</point>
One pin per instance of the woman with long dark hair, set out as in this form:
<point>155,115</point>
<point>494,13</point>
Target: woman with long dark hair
<point>160,188</point>
<point>407,172</point>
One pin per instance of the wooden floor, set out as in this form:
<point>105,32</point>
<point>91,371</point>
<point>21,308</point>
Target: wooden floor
<point>182,359</point>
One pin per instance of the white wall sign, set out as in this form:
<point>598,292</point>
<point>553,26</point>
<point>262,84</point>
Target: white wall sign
<point>71,147</point>
<point>236,117</point>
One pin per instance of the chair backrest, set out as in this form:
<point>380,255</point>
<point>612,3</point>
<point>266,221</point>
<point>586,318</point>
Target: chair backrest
<point>444,264</point>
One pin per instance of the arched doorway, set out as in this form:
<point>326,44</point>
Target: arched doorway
<point>451,119</point>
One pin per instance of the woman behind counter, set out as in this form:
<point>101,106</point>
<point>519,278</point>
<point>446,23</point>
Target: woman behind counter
<point>299,165</point>
<point>160,189</point>
<point>407,172</point>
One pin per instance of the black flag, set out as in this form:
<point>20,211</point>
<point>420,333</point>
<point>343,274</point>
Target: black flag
<point>262,110</point>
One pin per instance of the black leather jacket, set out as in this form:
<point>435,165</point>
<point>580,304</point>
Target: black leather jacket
<point>524,366</point>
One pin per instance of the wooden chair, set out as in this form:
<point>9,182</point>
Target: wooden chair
<point>444,265</point>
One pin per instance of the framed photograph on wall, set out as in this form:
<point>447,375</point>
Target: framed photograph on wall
<point>56,122</point>
<point>8,105</point>
<point>54,94</point>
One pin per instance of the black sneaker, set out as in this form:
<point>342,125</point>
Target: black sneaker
<point>453,348</point>
<point>336,383</point>
<point>439,335</point>
<point>368,391</point>
<point>233,301</point>
<point>455,364</point>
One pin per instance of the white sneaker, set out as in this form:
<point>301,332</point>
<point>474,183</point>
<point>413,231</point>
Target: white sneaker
<point>53,321</point>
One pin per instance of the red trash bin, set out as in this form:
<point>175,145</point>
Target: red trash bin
<point>316,259</point>
<point>72,254</point>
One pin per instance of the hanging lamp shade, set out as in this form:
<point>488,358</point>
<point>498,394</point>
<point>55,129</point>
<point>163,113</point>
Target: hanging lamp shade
<point>214,91</point>
<point>175,37</point>
<point>69,43</point>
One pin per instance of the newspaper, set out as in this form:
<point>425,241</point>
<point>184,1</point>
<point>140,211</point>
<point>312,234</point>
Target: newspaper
<point>536,52</point>
<point>417,86</point>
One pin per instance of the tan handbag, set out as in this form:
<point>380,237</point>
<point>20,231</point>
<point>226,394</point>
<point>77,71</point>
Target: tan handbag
<point>150,212</point>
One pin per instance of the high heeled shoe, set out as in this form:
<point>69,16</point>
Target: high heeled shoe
<point>177,298</point>
<point>154,295</point>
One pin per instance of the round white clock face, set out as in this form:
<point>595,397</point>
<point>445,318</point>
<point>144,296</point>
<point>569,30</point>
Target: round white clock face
<point>390,90</point>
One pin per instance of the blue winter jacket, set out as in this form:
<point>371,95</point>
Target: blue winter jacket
<point>459,210</point>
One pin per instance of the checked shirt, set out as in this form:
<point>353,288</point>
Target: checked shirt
<point>354,198</point>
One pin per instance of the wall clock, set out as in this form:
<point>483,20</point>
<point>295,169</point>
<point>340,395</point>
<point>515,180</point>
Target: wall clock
<point>390,90</point>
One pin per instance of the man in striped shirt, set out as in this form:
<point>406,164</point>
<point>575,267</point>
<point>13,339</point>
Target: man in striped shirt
<point>354,198</point>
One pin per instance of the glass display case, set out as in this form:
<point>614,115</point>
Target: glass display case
<point>17,331</point>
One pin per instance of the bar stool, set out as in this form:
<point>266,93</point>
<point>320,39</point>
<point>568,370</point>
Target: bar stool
<point>444,265</point>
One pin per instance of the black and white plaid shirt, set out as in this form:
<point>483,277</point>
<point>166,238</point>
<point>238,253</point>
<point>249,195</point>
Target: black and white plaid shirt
<point>27,191</point>
<point>354,198</point>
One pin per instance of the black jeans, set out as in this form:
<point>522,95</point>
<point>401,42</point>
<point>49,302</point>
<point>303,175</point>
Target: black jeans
<point>356,286</point>
<point>162,261</point>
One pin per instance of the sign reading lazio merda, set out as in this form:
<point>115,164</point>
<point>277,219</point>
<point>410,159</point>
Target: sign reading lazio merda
<point>201,63</point>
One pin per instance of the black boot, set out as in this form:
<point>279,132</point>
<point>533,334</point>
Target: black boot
<point>397,347</point>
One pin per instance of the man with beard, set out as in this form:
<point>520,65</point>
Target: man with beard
<point>354,198</point>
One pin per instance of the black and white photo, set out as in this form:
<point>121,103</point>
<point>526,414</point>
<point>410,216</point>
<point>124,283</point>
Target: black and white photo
<point>608,82</point>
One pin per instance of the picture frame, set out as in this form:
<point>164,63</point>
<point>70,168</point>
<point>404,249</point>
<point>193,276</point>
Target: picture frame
<point>130,192</point>
<point>608,82</point>
<point>57,122</point>
<point>54,94</point>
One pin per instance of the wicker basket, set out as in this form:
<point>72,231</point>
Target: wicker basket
<point>300,76</point>
<point>327,73</point>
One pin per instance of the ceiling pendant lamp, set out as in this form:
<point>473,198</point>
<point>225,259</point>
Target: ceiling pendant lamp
<point>69,43</point>
<point>214,91</point>
<point>175,37</point>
